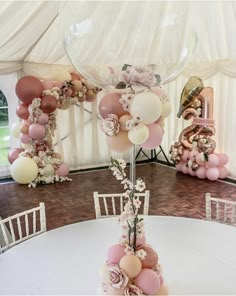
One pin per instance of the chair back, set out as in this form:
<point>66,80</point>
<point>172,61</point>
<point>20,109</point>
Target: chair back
<point>22,226</point>
<point>221,210</point>
<point>107,205</point>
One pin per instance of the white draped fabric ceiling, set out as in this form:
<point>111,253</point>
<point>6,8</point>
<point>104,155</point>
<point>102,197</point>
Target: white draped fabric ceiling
<point>31,43</point>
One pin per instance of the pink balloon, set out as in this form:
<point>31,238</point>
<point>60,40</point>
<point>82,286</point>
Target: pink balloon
<point>179,166</point>
<point>37,131</point>
<point>213,161</point>
<point>13,154</point>
<point>119,142</point>
<point>63,170</point>
<point>148,281</point>
<point>25,138</point>
<point>212,174</point>
<point>223,172</point>
<point>185,155</point>
<point>199,159</point>
<point>115,253</point>
<point>57,84</point>
<point>22,111</point>
<point>201,172</point>
<point>28,88</point>
<point>158,120</point>
<point>223,159</point>
<point>184,169</point>
<point>47,84</point>
<point>110,104</point>
<point>155,137</point>
<point>43,118</point>
<point>191,172</point>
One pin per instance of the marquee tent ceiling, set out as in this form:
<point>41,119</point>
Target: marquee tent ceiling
<point>31,31</point>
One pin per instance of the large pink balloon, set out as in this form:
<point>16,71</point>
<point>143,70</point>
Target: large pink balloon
<point>37,131</point>
<point>115,253</point>
<point>13,154</point>
<point>185,169</point>
<point>119,142</point>
<point>22,111</point>
<point>48,104</point>
<point>148,281</point>
<point>223,159</point>
<point>185,155</point>
<point>63,170</point>
<point>223,172</point>
<point>179,166</point>
<point>201,172</point>
<point>28,88</point>
<point>212,174</point>
<point>110,104</point>
<point>213,160</point>
<point>155,137</point>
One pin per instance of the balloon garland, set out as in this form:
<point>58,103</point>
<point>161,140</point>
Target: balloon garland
<point>37,162</point>
<point>193,153</point>
<point>135,113</point>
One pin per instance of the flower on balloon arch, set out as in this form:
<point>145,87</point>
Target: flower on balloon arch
<point>135,113</point>
<point>132,266</point>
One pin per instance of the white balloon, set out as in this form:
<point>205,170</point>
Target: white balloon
<point>146,105</point>
<point>48,170</point>
<point>139,134</point>
<point>24,170</point>
<point>166,109</point>
<point>15,129</point>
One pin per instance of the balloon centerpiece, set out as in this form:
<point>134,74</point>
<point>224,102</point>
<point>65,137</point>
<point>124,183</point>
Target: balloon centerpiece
<point>37,162</point>
<point>132,266</point>
<point>193,153</point>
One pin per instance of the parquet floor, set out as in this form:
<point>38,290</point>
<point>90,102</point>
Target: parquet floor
<point>171,194</point>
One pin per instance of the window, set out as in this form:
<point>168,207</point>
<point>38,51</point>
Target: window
<point>4,130</point>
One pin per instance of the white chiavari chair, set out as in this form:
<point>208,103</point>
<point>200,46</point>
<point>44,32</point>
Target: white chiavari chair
<point>22,226</point>
<point>107,205</point>
<point>220,210</point>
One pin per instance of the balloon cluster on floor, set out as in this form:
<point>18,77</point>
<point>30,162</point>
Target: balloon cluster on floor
<point>135,114</point>
<point>36,161</point>
<point>132,266</point>
<point>194,152</point>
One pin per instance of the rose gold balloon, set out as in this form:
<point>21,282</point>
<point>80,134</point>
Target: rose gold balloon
<point>123,120</point>
<point>48,104</point>
<point>22,111</point>
<point>119,142</point>
<point>28,88</point>
<point>13,154</point>
<point>151,259</point>
<point>110,104</point>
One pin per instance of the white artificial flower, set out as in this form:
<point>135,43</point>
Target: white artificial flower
<point>140,185</point>
<point>137,203</point>
<point>141,254</point>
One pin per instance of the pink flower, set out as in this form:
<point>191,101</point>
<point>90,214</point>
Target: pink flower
<point>116,278</point>
<point>138,75</point>
<point>111,125</point>
<point>133,290</point>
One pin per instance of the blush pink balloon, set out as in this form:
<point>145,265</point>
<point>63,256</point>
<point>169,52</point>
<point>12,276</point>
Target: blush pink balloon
<point>22,111</point>
<point>201,172</point>
<point>223,159</point>
<point>47,84</point>
<point>57,84</point>
<point>13,154</point>
<point>148,281</point>
<point>212,174</point>
<point>185,155</point>
<point>155,137</point>
<point>191,172</point>
<point>223,172</point>
<point>25,138</point>
<point>213,161</point>
<point>43,118</point>
<point>115,253</point>
<point>119,142</point>
<point>179,166</point>
<point>151,259</point>
<point>63,170</point>
<point>37,131</point>
<point>184,169</point>
<point>110,104</point>
<point>199,159</point>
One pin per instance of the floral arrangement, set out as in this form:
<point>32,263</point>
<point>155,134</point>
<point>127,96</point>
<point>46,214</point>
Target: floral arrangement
<point>36,162</point>
<point>132,266</point>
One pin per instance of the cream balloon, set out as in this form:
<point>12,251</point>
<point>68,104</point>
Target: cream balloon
<point>146,105</point>
<point>15,129</point>
<point>25,146</point>
<point>48,170</point>
<point>24,170</point>
<point>138,134</point>
<point>62,75</point>
<point>166,109</point>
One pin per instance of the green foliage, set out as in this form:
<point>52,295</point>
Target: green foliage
<point>3,111</point>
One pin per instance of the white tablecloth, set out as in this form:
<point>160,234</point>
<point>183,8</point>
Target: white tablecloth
<point>197,257</point>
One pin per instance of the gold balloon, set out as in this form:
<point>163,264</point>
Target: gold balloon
<point>191,90</point>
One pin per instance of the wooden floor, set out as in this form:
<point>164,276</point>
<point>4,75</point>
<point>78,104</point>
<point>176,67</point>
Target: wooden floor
<point>171,193</point>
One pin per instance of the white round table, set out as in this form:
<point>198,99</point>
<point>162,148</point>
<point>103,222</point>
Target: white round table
<point>197,257</point>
